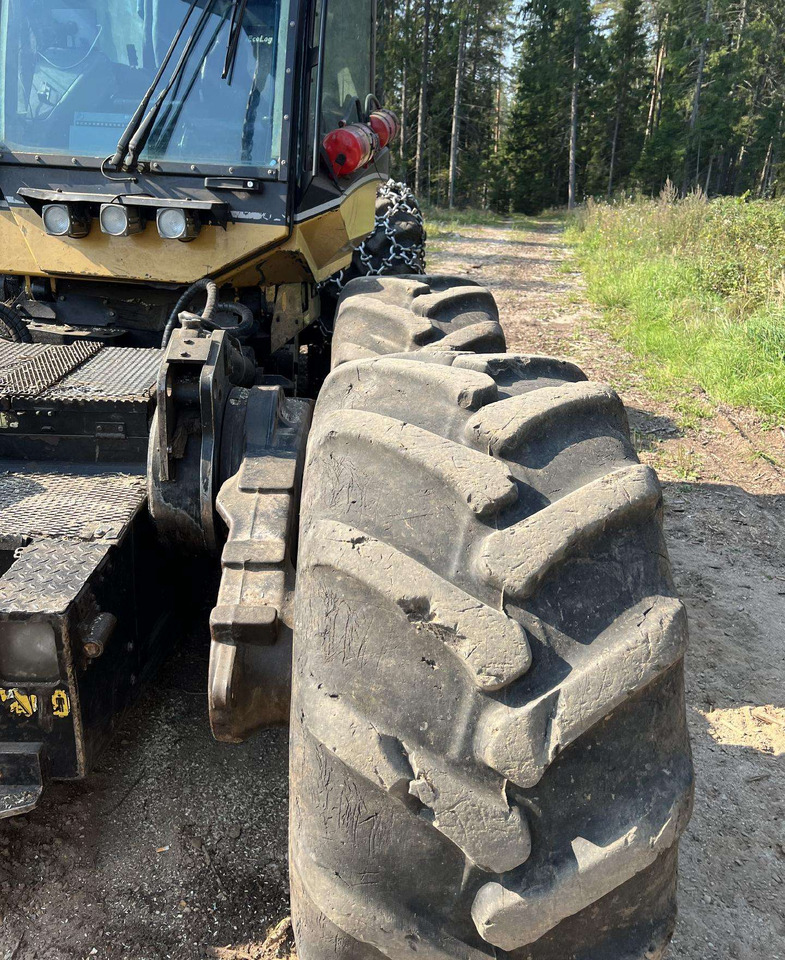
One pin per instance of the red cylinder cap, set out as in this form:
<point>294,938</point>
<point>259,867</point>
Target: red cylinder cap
<point>350,147</point>
<point>385,124</point>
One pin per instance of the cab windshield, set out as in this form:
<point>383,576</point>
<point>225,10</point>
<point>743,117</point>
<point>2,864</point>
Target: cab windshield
<point>73,73</point>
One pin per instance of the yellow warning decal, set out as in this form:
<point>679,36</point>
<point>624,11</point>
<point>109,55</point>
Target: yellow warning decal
<point>61,706</point>
<point>19,704</point>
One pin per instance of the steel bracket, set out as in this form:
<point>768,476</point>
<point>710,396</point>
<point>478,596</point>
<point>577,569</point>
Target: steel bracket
<point>251,625</point>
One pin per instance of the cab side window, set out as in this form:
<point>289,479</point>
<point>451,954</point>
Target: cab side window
<point>347,59</point>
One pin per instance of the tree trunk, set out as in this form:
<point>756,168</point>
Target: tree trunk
<point>404,88</point>
<point>656,89</point>
<point>661,84</point>
<point>574,118</point>
<point>775,158</point>
<point>742,24</point>
<point>404,105</point>
<point>696,103</point>
<point>419,160</point>
<point>497,124</point>
<point>456,115</point>
<point>381,39</point>
<point>614,141</point>
<point>696,100</point>
<point>764,175</point>
<point>430,178</point>
<point>708,175</point>
<point>741,160</point>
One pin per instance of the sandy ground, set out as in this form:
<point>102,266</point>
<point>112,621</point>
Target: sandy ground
<point>176,847</point>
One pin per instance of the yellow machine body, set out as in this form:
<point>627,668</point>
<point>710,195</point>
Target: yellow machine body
<point>245,254</point>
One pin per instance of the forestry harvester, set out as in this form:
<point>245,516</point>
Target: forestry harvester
<point>442,561</point>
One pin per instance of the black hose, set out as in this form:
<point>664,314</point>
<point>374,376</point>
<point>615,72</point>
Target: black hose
<point>12,327</point>
<point>240,330</point>
<point>211,290</point>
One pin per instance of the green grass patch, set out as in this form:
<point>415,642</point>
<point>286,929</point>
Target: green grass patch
<point>446,219</point>
<point>696,289</point>
<point>442,221</point>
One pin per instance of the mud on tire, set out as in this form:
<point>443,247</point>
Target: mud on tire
<point>489,748</point>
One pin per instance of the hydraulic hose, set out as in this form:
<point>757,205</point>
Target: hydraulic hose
<point>204,285</point>
<point>239,330</point>
<point>12,327</point>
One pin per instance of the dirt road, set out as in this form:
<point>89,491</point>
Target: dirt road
<point>176,848</point>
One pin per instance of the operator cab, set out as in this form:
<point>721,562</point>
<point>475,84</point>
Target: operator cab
<point>127,125</point>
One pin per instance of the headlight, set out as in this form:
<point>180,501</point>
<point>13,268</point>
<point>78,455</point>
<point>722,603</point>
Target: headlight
<point>120,221</point>
<point>27,651</point>
<point>175,224</point>
<point>63,220</point>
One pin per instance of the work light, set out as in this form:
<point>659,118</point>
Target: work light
<point>176,224</point>
<point>65,220</point>
<point>120,221</point>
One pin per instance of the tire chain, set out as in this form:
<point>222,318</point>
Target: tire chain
<point>401,201</point>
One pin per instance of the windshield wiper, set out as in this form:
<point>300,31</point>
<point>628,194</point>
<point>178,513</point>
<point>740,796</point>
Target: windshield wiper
<point>139,139</point>
<point>235,31</point>
<point>125,139</point>
<point>171,114</point>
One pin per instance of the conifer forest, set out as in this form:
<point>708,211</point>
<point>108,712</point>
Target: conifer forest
<point>522,105</point>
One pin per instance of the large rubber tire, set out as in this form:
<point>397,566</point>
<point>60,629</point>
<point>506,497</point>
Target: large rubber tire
<point>12,326</point>
<point>489,746</point>
<point>382,315</point>
<point>397,244</point>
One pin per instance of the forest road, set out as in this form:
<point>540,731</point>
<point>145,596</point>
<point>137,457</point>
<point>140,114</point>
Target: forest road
<point>175,849</point>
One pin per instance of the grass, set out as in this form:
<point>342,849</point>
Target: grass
<point>696,288</point>
<point>441,221</point>
<point>461,217</point>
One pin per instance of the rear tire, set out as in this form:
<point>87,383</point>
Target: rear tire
<point>381,315</point>
<point>489,747</point>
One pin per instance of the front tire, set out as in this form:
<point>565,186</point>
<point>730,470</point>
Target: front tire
<point>489,747</point>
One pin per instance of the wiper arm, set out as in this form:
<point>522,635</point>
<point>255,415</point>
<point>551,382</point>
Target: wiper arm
<point>173,110</point>
<point>139,139</point>
<point>232,24</point>
<point>125,139</point>
<point>235,31</point>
